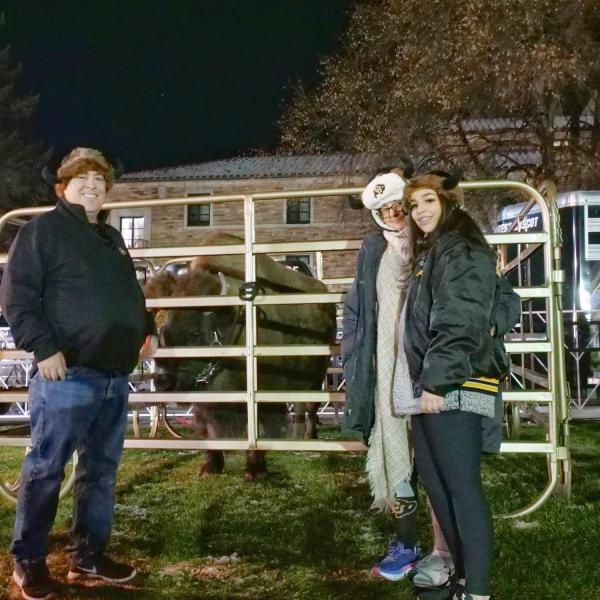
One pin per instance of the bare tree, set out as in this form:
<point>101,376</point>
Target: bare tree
<point>498,87</point>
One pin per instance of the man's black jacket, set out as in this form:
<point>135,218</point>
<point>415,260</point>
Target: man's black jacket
<point>70,286</point>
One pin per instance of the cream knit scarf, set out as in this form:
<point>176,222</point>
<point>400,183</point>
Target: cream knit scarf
<point>388,458</point>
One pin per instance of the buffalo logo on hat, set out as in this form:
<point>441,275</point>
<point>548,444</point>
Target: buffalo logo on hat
<point>378,190</point>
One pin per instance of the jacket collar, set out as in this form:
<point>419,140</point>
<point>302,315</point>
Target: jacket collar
<point>77,211</point>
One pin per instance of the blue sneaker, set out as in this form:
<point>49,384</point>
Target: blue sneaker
<point>397,562</point>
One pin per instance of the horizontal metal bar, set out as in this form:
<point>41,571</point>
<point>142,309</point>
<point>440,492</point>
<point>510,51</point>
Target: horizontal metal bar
<point>525,447</point>
<point>534,292</point>
<point>275,299</point>
<point>15,441</point>
<point>283,247</point>
<point>526,347</point>
<point>312,446</point>
<point>263,299</point>
<point>527,396</point>
<point>299,298</point>
<point>16,354</point>
<point>10,397</point>
<point>283,445</point>
<point>304,396</point>
<point>212,351</point>
<point>304,193</point>
<point>337,280</point>
<point>173,201</point>
<point>186,397</point>
<point>516,238</point>
<point>171,444</point>
<point>197,397</point>
<point>296,350</point>
<point>526,337</point>
<point>187,251</point>
<point>199,351</point>
<point>194,302</point>
<point>166,444</point>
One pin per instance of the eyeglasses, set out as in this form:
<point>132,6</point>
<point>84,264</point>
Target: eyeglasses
<point>392,209</point>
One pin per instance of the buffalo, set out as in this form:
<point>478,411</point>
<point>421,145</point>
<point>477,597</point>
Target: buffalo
<point>275,325</point>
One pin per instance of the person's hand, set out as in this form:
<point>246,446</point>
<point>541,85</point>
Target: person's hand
<point>54,367</point>
<point>149,347</point>
<point>430,403</point>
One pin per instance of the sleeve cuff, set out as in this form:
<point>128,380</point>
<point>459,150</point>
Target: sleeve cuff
<point>45,352</point>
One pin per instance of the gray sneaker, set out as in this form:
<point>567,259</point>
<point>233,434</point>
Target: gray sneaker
<point>431,571</point>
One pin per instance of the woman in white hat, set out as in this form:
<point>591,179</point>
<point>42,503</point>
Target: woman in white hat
<point>371,316</point>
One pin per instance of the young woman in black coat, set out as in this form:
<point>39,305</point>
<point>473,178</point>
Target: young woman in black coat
<point>456,314</point>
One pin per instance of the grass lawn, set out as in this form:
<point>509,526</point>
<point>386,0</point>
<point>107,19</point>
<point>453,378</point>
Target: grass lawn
<point>305,530</point>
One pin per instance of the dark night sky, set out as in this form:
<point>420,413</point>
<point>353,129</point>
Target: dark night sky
<point>160,83</point>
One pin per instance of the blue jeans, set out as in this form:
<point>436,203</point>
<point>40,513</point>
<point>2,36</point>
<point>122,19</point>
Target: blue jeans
<point>87,412</point>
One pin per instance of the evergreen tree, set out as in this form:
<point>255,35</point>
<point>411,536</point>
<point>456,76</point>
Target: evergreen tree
<point>21,161</point>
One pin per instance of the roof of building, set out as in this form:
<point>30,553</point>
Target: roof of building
<point>499,124</point>
<point>252,167</point>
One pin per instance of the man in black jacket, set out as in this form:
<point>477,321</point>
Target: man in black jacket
<point>71,297</point>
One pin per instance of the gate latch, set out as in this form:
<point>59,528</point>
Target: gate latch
<point>248,290</point>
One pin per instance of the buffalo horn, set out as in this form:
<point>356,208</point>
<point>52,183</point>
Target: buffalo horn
<point>118,168</point>
<point>452,180</point>
<point>48,176</point>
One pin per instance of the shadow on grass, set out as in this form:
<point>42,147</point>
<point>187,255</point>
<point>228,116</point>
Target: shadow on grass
<point>152,471</point>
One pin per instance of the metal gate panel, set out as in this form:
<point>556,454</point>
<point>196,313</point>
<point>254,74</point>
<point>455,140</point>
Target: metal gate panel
<point>556,448</point>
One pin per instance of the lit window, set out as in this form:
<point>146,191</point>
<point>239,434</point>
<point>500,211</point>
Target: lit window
<point>132,230</point>
<point>297,211</point>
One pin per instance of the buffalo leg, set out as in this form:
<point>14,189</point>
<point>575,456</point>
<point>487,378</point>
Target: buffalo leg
<point>312,420</point>
<point>256,464</point>
<point>298,423</point>
<point>213,465</point>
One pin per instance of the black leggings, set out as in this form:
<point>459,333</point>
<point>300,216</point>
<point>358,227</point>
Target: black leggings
<point>448,458</point>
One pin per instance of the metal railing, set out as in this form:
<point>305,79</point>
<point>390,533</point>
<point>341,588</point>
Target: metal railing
<point>555,448</point>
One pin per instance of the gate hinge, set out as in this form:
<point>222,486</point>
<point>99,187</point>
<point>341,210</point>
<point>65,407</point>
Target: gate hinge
<point>562,453</point>
<point>558,276</point>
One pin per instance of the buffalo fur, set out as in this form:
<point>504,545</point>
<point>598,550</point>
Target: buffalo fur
<point>276,325</point>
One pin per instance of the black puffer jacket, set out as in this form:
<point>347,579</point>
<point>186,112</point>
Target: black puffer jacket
<point>458,310</point>
<point>71,286</point>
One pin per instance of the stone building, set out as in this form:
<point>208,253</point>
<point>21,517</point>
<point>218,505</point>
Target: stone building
<point>281,220</point>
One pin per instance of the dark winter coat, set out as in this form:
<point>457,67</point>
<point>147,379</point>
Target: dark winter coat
<point>454,302</point>
<point>359,341</point>
<point>457,312</point>
<point>70,286</point>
